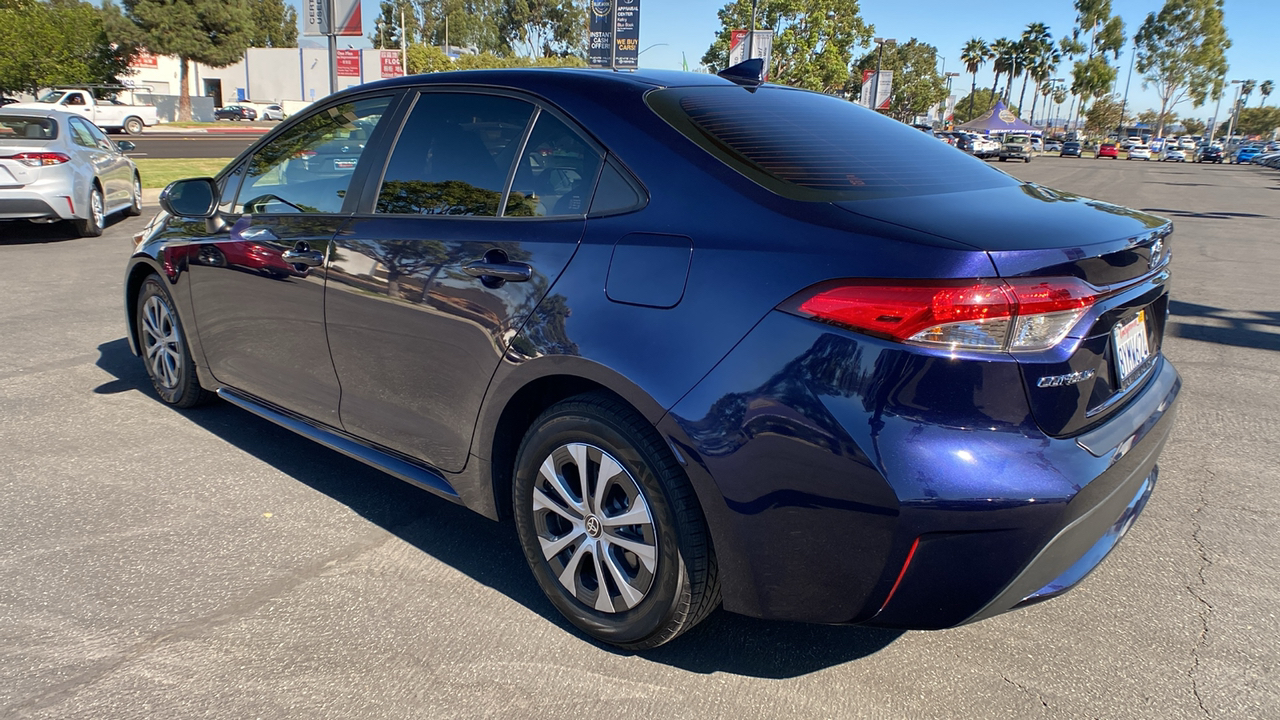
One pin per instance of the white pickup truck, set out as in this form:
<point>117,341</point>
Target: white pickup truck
<point>106,114</point>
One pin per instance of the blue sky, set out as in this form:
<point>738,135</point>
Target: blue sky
<point>688,26</point>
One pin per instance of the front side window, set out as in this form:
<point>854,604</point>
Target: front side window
<point>309,168</point>
<point>453,155</point>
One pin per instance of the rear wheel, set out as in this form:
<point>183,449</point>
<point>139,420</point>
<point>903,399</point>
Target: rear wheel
<point>133,126</point>
<point>610,525</point>
<point>164,348</point>
<point>92,226</point>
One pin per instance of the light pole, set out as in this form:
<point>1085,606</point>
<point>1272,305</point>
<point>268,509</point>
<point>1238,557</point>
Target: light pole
<point>947,102</point>
<point>1125,103</point>
<point>874,103</point>
<point>650,48</point>
<point>751,32</point>
<point>1047,117</point>
<point>1235,110</point>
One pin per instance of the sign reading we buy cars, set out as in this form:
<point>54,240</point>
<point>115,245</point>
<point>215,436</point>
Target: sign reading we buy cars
<point>614,34</point>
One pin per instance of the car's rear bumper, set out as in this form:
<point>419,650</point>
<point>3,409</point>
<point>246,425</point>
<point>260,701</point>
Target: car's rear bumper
<point>26,205</point>
<point>859,481</point>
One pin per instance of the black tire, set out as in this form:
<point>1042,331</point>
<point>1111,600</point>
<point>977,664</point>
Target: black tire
<point>135,207</point>
<point>93,225</point>
<point>134,125</point>
<point>164,349</point>
<point>679,590</point>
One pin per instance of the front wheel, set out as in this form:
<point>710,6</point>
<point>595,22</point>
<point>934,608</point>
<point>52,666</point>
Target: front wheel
<point>610,525</point>
<point>164,348</point>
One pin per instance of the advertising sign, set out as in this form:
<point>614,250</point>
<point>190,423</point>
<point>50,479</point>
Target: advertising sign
<point>315,19</point>
<point>600,34</point>
<point>391,64</point>
<point>882,89</point>
<point>761,47</point>
<point>144,59</point>
<point>626,34</point>
<point>346,18</point>
<point>348,63</point>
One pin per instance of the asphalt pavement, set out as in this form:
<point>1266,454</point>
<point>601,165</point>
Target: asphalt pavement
<point>191,145</point>
<point>207,564</point>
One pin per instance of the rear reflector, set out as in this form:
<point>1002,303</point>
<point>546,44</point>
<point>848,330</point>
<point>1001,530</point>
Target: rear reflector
<point>36,159</point>
<point>991,314</point>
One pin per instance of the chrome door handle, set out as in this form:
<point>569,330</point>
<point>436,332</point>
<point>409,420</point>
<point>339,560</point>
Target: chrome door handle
<point>509,271</point>
<point>310,258</point>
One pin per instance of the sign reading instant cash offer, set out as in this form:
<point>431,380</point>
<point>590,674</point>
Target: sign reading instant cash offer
<point>613,34</point>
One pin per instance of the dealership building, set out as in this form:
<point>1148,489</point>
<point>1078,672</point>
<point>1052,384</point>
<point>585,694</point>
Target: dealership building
<point>292,77</point>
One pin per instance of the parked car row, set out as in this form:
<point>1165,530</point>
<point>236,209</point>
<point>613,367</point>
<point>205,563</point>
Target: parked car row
<point>247,112</point>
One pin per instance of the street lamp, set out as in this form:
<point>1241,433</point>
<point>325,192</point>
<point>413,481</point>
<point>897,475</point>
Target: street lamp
<point>650,48</point>
<point>1124,103</point>
<point>947,102</point>
<point>874,103</point>
<point>1213,123</point>
<point>1235,110</point>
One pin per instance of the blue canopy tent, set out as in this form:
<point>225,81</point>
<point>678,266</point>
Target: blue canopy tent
<point>999,121</point>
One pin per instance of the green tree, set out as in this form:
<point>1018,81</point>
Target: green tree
<point>1192,126</point>
<point>60,43</point>
<point>1093,76</point>
<point>1264,91</point>
<point>1002,53</point>
<point>980,100</point>
<point>812,45</point>
<point>917,84</point>
<point>210,32</point>
<point>1105,115</point>
<point>1258,121</point>
<point>275,24</point>
<point>461,23</point>
<point>1182,51</point>
<point>1036,41</point>
<point>542,28</point>
<point>974,56</point>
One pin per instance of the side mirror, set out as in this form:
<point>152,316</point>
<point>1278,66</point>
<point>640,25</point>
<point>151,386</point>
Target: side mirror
<point>125,146</point>
<point>194,198</point>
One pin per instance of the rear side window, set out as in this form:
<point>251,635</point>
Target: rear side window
<point>809,146</point>
<point>23,127</point>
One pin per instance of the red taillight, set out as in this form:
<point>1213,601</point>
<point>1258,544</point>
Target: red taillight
<point>984,314</point>
<point>36,159</point>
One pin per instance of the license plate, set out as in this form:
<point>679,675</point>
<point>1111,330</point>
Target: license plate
<point>1132,347</point>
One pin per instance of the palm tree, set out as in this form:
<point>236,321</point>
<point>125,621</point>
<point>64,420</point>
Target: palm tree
<point>974,56</point>
<point>1002,51</point>
<point>1265,91</point>
<point>1041,70</point>
<point>1246,90</point>
<point>1035,40</point>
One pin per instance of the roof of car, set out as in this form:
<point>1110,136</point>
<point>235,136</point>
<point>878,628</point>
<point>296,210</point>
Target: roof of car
<point>571,78</point>
<point>11,110</point>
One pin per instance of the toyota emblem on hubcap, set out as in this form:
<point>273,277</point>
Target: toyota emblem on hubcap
<point>593,526</point>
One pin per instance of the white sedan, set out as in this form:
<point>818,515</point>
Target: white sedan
<point>1173,154</point>
<point>1139,152</point>
<point>55,166</point>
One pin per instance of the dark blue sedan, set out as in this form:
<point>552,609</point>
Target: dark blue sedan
<point>705,342</point>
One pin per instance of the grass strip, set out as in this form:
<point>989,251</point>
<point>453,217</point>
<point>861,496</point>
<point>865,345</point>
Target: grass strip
<point>159,172</point>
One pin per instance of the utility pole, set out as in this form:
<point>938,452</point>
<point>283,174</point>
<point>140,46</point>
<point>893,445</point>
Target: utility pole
<point>751,32</point>
<point>404,43</point>
<point>1235,110</point>
<point>1125,103</point>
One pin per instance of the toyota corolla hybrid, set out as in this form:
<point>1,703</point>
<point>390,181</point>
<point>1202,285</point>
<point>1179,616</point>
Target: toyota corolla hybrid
<point>705,341</point>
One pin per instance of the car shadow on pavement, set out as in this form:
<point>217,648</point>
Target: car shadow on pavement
<point>21,232</point>
<point>1231,327</point>
<point>488,552</point>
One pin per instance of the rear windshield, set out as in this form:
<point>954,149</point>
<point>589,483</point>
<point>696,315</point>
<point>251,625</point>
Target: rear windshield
<point>23,127</point>
<point>810,146</point>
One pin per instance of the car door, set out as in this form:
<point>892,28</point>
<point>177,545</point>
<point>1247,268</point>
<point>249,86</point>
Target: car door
<point>100,158</point>
<point>117,171</point>
<point>446,261</point>
<point>257,289</point>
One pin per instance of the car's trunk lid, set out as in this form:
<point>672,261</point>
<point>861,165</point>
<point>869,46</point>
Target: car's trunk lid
<point>14,174</point>
<point>1032,231</point>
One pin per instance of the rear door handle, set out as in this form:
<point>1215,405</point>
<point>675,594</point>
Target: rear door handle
<point>509,271</point>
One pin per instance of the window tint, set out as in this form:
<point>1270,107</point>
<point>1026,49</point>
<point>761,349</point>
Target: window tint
<point>22,127</point>
<point>100,138</point>
<point>308,169</point>
<point>80,133</point>
<point>453,155</point>
<point>556,172</point>
<point>614,193</point>
<point>816,147</point>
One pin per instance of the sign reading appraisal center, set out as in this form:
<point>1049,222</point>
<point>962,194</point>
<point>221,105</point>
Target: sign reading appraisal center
<point>613,34</point>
